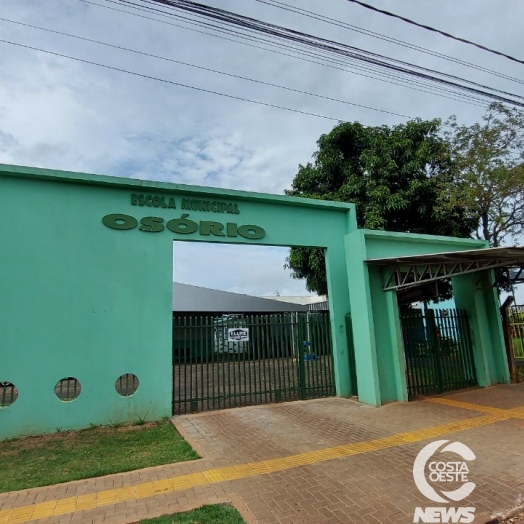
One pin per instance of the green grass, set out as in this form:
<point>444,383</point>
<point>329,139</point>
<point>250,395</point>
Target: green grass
<point>50,459</point>
<point>518,347</point>
<point>212,514</point>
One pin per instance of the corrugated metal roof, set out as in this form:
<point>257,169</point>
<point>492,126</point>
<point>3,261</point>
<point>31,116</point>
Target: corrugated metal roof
<point>416,270</point>
<point>195,299</point>
<point>510,256</point>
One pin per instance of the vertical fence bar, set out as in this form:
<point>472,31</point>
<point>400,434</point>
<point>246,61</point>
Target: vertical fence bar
<point>184,379</point>
<point>227,361</point>
<point>199,368</point>
<point>461,365</point>
<point>266,362</point>
<point>428,366</point>
<point>263,359</point>
<point>274,337</point>
<point>327,352</point>
<point>240,369</point>
<point>301,366</point>
<point>213,352</point>
<point>288,363</point>
<point>516,319</point>
<point>321,353</point>
<point>468,348</point>
<point>255,361</point>
<point>176,367</point>
<point>233,364</point>
<point>316,339</point>
<point>407,351</point>
<point>420,353</point>
<point>250,360</point>
<point>441,357</point>
<point>276,341</point>
<point>452,367</point>
<point>314,350</point>
<point>330,361</point>
<point>307,354</point>
<point>410,334</point>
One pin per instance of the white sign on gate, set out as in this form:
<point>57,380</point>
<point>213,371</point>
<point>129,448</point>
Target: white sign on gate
<point>238,334</point>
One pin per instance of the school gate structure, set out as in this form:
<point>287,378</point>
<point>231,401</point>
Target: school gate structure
<point>86,321</point>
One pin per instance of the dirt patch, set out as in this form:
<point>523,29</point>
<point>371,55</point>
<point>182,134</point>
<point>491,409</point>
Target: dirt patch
<point>513,515</point>
<point>67,438</point>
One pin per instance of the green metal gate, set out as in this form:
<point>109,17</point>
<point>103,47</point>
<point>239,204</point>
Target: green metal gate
<point>237,360</point>
<point>438,350</point>
<point>516,322</point>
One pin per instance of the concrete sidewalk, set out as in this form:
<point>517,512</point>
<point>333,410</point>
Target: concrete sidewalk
<point>320,461</point>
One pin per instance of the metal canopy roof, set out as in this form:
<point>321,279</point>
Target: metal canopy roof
<point>415,270</point>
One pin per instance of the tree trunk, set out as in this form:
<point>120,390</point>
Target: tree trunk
<point>485,227</point>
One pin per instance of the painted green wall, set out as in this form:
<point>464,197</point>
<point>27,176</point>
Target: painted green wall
<point>84,300</point>
<point>475,294</point>
<point>380,361</point>
<point>80,299</point>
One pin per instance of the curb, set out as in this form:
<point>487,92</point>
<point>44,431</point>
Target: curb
<point>499,517</point>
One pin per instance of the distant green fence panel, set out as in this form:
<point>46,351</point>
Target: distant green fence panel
<point>516,321</point>
<point>238,360</point>
<point>438,351</point>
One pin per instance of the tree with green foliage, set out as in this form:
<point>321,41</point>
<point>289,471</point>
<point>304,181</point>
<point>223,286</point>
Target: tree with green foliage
<point>395,175</point>
<point>489,158</point>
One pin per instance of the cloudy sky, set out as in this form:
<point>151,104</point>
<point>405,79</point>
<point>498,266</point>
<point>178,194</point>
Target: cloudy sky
<point>64,114</point>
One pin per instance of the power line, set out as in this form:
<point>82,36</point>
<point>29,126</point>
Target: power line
<point>171,82</point>
<point>325,45</point>
<point>459,96</point>
<point>435,90</point>
<point>143,53</point>
<point>368,67</point>
<point>332,21</point>
<point>429,28</point>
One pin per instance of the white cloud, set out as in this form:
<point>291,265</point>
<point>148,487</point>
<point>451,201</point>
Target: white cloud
<point>63,114</point>
<point>251,270</point>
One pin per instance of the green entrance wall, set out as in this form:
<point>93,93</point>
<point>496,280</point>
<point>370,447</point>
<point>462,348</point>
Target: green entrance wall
<point>380,362</point>
<point>80,299</point>
<point>476,295</point>
<point>84,297</point>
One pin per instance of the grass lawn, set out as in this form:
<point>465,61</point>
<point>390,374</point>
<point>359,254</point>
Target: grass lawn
<point>50,459</point>
<point>518,347</point>
<point>213,514</point>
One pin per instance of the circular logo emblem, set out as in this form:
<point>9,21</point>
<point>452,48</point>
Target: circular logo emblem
<point>443,470</point>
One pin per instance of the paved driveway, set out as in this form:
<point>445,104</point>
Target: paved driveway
<point>317,461</point>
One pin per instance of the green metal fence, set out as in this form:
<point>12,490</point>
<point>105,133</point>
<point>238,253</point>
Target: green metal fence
<point>351,356</point>
<point>516,321</point>
<point>238,360</point>
<point>438,351</point>
<point>68,389</point>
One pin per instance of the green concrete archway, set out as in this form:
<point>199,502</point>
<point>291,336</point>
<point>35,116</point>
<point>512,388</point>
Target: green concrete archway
<point>85,286</point>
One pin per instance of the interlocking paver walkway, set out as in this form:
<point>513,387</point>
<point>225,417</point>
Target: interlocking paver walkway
<point>329,460</point>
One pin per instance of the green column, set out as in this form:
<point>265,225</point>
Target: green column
<point>377,335</point>
<point>339,307</point>
<point>362,320</point>
<point>475,294</point>
<point>391,362</point>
